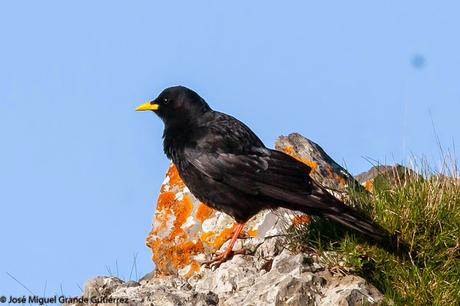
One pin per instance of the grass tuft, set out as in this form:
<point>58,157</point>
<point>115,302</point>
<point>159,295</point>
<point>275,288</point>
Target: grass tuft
<point>423,208</point>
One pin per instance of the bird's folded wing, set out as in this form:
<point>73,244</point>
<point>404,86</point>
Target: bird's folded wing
<point>273,174</point>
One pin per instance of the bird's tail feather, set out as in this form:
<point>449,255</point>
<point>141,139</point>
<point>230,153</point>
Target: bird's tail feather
<point>363,226</point>
<point>321,202</point>
<point>350,217</point>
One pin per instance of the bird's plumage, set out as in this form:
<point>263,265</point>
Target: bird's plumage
<point>225,165</point>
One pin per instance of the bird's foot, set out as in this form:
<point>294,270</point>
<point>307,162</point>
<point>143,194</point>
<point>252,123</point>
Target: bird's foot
<point>223,257</point>
<point>228,253</point>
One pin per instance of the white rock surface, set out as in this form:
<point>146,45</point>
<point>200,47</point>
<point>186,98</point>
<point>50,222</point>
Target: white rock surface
<point>272,276</point>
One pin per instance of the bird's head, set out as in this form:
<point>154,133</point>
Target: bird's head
<point>177,106</point>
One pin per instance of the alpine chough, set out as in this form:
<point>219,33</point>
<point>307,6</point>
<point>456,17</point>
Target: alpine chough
<point>226,166</point>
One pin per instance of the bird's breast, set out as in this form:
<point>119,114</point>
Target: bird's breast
<point>199,184</point>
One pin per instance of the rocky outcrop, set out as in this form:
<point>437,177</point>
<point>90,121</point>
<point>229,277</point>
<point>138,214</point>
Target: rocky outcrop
<point>389,175</point>
<point>272,276</point>
<point>324,169</point>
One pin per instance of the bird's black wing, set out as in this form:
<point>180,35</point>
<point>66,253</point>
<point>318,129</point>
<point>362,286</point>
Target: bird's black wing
<point>231,154</point>
<point>269,174</point>
<point>280,181</point>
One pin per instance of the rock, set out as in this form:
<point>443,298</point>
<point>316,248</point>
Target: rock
<point>385,175</point>
<point>291,279</point>
<point>186,232</point>
<point>101,286</point>
<point>350,290</point>
<point>147,277</point>
<point>324,169</point>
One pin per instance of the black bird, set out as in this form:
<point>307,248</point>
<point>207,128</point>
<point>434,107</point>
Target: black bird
<point>226,166</point>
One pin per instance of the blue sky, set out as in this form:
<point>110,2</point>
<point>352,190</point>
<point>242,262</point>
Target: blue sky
<point>80,170</point>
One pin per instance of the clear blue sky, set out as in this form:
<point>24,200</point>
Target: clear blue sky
<point>80,170</point>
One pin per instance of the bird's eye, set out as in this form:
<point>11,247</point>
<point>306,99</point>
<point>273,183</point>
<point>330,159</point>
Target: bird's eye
<point>165,101</point>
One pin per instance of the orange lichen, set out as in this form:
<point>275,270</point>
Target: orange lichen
<point>194,267</point>
<point>203,212</point>
<point>166,200</point>
<point>252,232</point>
<point>149,241</point>
<point>182,252</point>
<point>216,240</point>
<point>178,233</point>
<point>342,181</point>
<point>310,163</point>
<point>168,204</point>
<point>223,237</point>
<point>178,255</point>
<point>161,224</point>
<point>182,210</point>
<point>369,185</point>
<point>290,151</point>
<point>301,219</point>
<point>207,236</point>
<point>174,178</point>
<point>174,250</point>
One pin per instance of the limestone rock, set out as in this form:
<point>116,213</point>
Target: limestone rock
<point>186,232</point>
<point>101,286</point>
<point>288,279</point>
<point>350,290</point>
<point>389,175</point>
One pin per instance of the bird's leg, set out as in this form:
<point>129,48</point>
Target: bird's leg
<point>224,256</point>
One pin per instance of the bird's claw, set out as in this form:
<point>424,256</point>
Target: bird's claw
<point>223,257</point>
<point>217,261</point>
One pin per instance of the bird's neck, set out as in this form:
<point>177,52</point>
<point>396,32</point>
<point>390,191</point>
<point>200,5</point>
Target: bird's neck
<point>180,133</point>
<point>174,141</point>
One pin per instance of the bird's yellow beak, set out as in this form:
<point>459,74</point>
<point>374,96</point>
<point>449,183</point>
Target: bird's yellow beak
<point>147,106</point>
